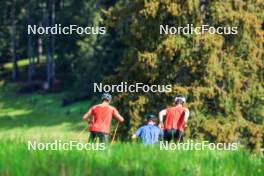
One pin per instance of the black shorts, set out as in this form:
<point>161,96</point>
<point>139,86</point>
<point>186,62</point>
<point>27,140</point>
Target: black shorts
<point>174,134</point>
<point>99,137</point>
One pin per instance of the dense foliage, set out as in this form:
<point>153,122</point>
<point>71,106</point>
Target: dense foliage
<point>221,75</point>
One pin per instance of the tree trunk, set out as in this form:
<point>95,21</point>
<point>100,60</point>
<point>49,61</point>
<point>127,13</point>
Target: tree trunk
<point>40,48</point>
<point>30,49</point>
<point>60,16</point>
<point>53,17</point>
<point>49,50</point>
<point>13,42</point>
<point>41,6</point>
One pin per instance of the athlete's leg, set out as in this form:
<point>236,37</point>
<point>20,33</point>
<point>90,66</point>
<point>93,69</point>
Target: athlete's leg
<point>93,136</point>
<point>174,134</point>
<point>96,136</point>
<point>167,135</point>
<point>101,137</point>
<point>105,138</point>
<point>180,135</point>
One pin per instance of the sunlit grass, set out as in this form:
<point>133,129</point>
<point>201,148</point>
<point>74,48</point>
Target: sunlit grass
<point>41,117</point>
<point>125,159</point>
<point>21,63</point>
<point>38,113</point>
<point>14,112</point>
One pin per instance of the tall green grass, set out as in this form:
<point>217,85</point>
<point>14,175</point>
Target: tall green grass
<point>40,117</point>
<point>125,159</point>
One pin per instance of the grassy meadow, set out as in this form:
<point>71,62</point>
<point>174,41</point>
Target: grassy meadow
<point>145,53</point>
<point>41,117</point>
<point>125,159</point>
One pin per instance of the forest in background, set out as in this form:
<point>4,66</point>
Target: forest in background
<point>221,75</point>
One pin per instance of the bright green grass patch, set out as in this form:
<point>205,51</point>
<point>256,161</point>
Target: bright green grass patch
<point>13,112</point>
<point>125,159</point>
<point>21,63</point>
<point>36,113</point>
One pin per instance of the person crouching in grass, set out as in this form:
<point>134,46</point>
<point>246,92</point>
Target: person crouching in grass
<point>149,133</point>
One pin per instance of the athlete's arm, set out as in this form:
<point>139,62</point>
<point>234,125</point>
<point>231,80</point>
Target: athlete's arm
<point>186,115</point>
<point>162,113</point>
<point>118,116</point>
<point>87,115</point>
<point>137,133</point>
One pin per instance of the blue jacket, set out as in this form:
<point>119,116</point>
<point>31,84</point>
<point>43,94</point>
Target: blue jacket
<point>149,134</point>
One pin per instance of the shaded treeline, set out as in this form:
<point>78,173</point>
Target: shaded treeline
<point>71,59</point>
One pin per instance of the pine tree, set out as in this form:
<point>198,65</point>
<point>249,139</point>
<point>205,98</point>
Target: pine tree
<point>221,75</point>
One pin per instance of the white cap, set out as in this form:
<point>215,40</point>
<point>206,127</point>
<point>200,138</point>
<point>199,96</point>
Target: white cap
<point>180,98</point>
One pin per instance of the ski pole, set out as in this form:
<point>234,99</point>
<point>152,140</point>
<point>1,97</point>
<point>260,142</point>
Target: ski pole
<point>113,139</point>
<point>78,137</point>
